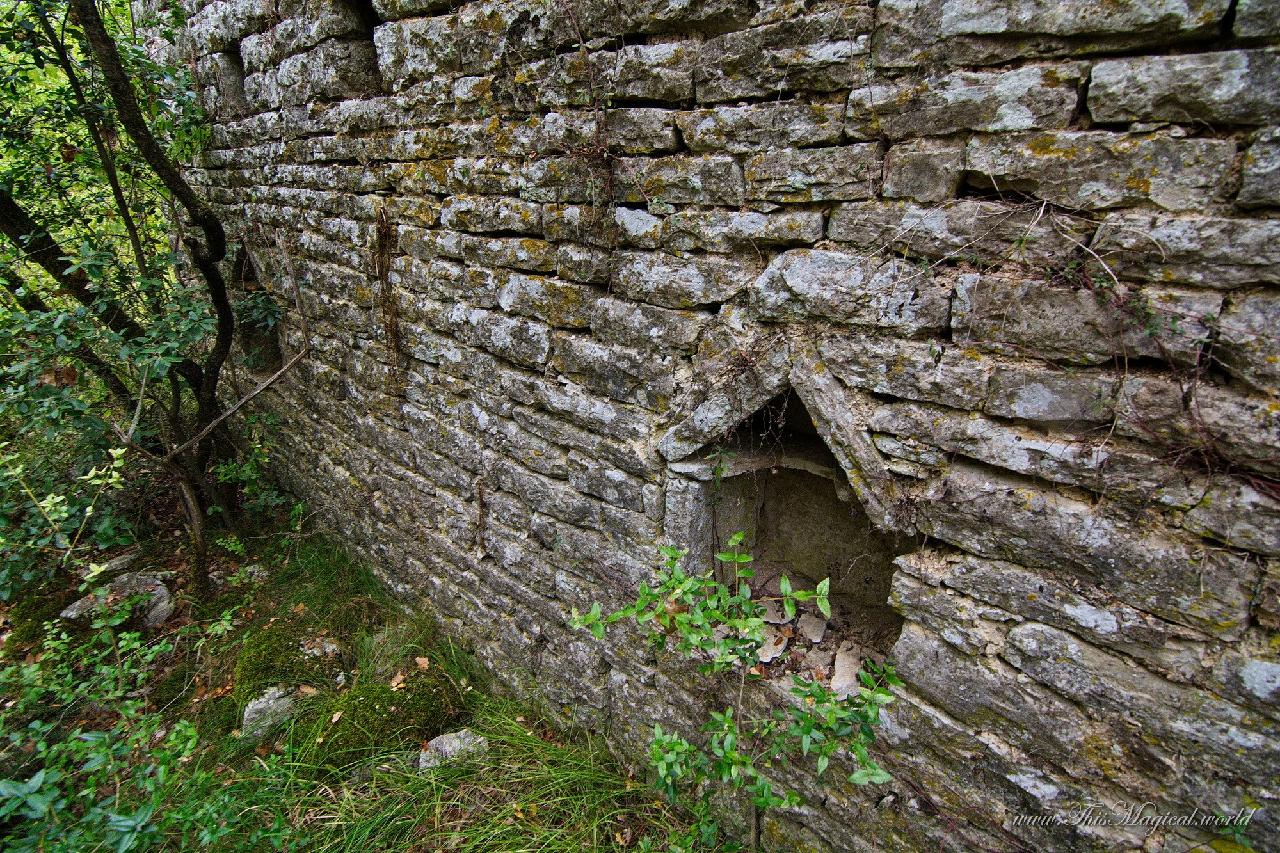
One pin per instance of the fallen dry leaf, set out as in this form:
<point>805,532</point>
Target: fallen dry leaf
<point>298,608</point>
<point>337,715</point>
<point>422,663</point>
<point>306,690</point>
<point>397,683</point>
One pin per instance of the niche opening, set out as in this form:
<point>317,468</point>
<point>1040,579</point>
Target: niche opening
<point>774,478</point>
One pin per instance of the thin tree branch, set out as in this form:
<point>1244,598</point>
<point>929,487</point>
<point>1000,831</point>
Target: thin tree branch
<point>207,255</point>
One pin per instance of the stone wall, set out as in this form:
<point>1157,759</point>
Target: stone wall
<point>1014,265</point>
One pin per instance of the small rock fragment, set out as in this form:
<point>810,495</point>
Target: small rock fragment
<point>124,586</point>
<point>844,678</point>
<point>773,613</point>
<point>450,747</point>
<point>273,706</point>
<point>774,645</point>
<point>813,628</point>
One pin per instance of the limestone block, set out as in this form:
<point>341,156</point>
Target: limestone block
<point>913,370</point>
<point>1261,175</point>
<point>514,252</point>
<point>923,170</point>
<point>637,228</point>
<point>294,35</point>
<point>1226,425</point>
<point>660,72</point>
<point>392,10</point>
<point>964,32</point>
<point>220,24</point>
<point>1005,313</point>
<point>334,69</point>
<point>1249,338</point>
<point>1176,578</point>
<point>984,692</point>
<point>1097,170</point>
<point>702,179</point>
<point>629,376</point>
<point>1256,18</point>
<point>645,326</point>
<point>582,263</point>
<point>821,52</point>
<point>560,304</point>
<point>674,282</point>
<point>415,49</point>
<point>520,341</point>
<point>1230,87</point>
<point>1035,393</point>
<point>1198,724</point>
<point>964,229</point>
<point>746,130</point>
<point>491,213</point>
<point>1205,251</point>
<point>726,231</point>
<point>1034,97</point>
<point>1118,469</point>
<point>819,174</point>
<point>592,225</point>
<point>1237,514</point>
<point>859,290</point>
<point>641,130</point>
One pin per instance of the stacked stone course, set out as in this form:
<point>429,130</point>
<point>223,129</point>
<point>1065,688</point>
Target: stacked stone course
<point>1018,261</point>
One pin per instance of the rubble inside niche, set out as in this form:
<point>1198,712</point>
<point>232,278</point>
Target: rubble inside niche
<point>828,650</point>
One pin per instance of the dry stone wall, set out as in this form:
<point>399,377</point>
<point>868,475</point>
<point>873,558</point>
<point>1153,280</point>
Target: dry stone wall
<point>1017,262</point>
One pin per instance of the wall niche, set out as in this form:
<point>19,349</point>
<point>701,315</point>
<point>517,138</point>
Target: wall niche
<point>774,478</point>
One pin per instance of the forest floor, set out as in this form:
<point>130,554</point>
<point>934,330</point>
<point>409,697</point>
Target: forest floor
<point>118,736</point>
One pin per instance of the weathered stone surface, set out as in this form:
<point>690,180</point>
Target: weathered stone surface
<point>1222,424</point>
<point>1096,171</point>
<point>1010,519</point>
<point>1260,184</point>
<point>723,231</point>
<point>861,291</point>
<point>219,25</point>
<point>1232,87</point>
<point>923,170</point>
<point>452,746</point>
<point>821,52</point>
<point>1197,722</point>
<point>1035,393</point>
<point>960,32</point>
<point>1205,251</point>
<point>335,68</point>
<point>1256,18</point>
<point>1249,338</point>
<point>743,130</point>
<point>819,174</point>
<point>159,607</point>
<point>264,712</point>
<point>1237,514</point>
<point>948,375</point>
<point>1020,317</point>
<point>487,213</point>
<point>680,180</point>
<point>415,49</point>
<point>1032,98</point>
<point>963,230</point>
<point>674,282</point>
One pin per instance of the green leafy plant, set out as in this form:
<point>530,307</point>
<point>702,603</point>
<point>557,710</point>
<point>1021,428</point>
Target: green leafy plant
<point>720,624</point>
